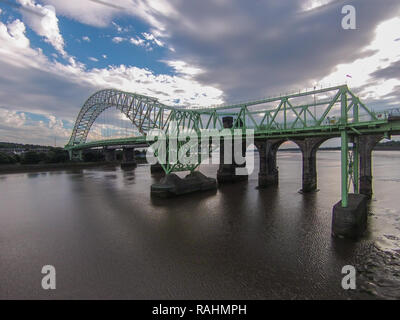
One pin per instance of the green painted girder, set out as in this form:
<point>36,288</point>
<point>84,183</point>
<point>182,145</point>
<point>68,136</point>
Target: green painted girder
<point>371,127</point>
<point>325,112</point>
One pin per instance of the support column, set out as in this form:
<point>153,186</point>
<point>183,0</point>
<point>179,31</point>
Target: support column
<point>309,148</point>
<point>227,172</point>
<point>366,144</point>
<point>75,155</point>
<point>128,158</point>
<point>268,174</point>
<point>110,155</point>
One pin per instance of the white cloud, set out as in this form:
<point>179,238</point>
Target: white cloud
<point>314,4</point>
<point>86,38</point>
<point>16,127</point>
<point>148,41</point>
<point>387,51</point>
<point>151,38</point>
<point>181,67</point>
<point>93,59</point>
<point>119,28</point>
<point>100,15</point>
<point>104,56</point>
<point>59,89</point>
<point>89,12</point>
<point>44,24</point>
<point>137,41</point>
<point>118,39</point>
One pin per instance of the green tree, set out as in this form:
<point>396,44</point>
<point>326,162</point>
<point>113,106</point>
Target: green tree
<point>4,158</point>
<point>31,157</point>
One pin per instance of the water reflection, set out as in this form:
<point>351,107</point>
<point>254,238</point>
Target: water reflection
<point>110,239</point>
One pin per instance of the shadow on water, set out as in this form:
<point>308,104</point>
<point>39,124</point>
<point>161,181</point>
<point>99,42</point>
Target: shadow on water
<point>188,200</point>
<point>33,175</point>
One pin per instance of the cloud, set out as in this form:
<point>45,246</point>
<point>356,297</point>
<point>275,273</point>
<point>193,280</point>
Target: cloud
<point>93,59</point>
<point>52,88</point>
<point>16,126</point>
<point>118,39</point>
<point>86,38</point>
<point>376,75</point>
<point>390,72</point>
<point>218,48</point>
<point>257,48</point>
<point>89,12</point>
<point>152,39</point>
<point>147,41</point>
<point>45,24</point>
<point>182,68</point>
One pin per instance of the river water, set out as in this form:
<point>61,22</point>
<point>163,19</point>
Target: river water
<point>107,238</point>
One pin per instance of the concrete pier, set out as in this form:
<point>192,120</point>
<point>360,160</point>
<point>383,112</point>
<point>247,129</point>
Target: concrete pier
<point>350,222</point>
<point>268,174</point>
<point>227,172</point>
<point>172,185</point>
<point>366,144</point>
<point>309,148</point>
<point>75,155</point>
<point>110,155</point>
<point>128,158</point>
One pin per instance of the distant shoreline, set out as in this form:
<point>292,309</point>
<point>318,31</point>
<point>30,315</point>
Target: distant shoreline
<point>23,168</point>
<point>44,167</point>
<point>377,148</point>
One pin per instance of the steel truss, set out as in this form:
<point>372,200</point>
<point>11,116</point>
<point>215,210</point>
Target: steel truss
<point>334,111</point>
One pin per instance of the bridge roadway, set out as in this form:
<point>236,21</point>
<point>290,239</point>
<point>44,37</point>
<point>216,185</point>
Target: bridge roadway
<point>306,118</point>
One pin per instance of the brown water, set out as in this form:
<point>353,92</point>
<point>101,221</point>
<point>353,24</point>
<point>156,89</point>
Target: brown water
<point>107,238</point>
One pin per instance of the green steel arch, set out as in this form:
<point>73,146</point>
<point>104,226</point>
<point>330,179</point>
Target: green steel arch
<point>144,112</point>
<point>288,116</point>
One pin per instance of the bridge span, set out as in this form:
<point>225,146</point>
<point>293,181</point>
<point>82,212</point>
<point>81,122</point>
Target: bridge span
<point>308,119</point>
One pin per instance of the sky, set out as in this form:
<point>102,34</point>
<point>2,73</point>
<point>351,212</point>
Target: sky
<point>54,54</point>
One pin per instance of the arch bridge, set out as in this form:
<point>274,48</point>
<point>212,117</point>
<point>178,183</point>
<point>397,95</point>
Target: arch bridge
<point>306,118</point>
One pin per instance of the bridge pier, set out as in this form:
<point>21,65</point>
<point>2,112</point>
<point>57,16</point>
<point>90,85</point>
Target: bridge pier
<point>128,158</point>
<point>268,174</point>
<point>227,172</point>
<point>75,155</point>
<point>110,155</point>
<point>309,148</point>
<point>366,144</point>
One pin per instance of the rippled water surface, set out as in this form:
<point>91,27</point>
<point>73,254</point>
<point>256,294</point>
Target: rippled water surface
<point>107,238</point>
